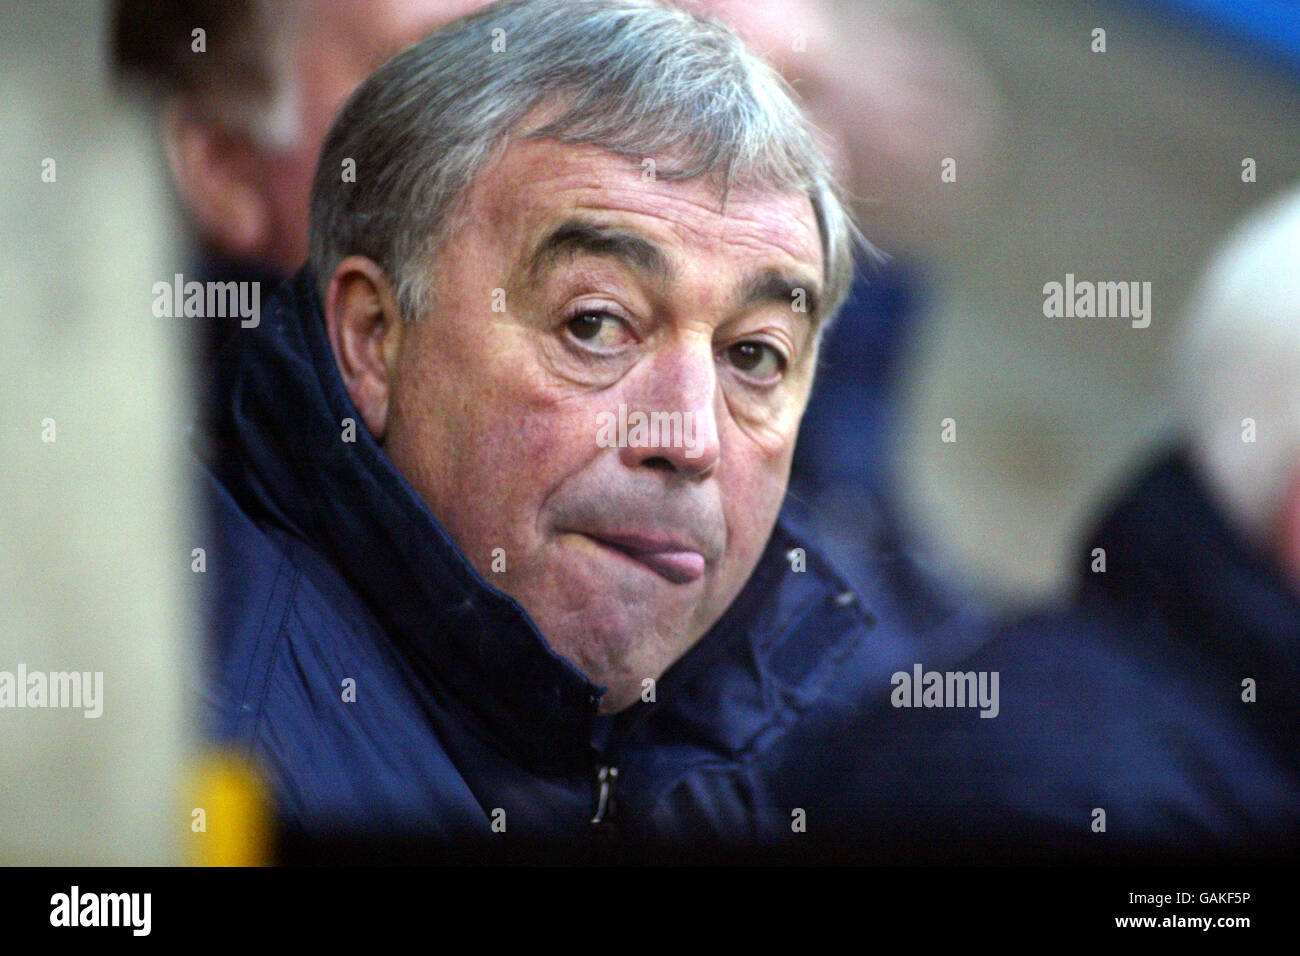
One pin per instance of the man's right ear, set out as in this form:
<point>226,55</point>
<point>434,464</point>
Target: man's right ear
<point>365,329</point>
<point>215,170</point>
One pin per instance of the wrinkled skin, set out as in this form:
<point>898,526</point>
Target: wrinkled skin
<point>624,556</point>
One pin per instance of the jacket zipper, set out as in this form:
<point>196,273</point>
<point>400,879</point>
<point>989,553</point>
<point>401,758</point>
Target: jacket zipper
<point>606,778</point>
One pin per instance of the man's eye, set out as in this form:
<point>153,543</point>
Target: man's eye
<point>756,360</point>
<point>597,328</point>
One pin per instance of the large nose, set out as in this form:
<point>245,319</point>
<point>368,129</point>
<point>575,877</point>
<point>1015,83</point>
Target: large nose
<point>671,408</point>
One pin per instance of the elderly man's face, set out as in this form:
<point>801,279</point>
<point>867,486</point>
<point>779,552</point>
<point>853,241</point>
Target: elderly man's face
<point>576,294</point>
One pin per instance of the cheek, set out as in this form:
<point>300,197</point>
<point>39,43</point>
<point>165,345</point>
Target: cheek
<point>764,429</point>
<point>753,482</point>
<point>519,456</point>
<point>485,450</point>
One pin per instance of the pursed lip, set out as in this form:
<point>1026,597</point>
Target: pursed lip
<point>670,558</point>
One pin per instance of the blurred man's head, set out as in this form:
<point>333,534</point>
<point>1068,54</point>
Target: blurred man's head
<point>249,100</point>
<point>544,225</point>
<point>1241,377</point>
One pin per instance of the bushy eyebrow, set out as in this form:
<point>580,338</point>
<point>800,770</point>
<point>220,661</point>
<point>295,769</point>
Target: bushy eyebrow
<point>577,237</point>
<point>778,288</point>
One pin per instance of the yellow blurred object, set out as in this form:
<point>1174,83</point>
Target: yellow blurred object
<point>230,820</point>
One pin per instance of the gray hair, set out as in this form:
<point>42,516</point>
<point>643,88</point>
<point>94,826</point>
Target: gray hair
<point>638,78</point>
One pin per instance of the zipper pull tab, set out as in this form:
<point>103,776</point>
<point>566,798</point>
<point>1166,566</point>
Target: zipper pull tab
<point>606,777</point>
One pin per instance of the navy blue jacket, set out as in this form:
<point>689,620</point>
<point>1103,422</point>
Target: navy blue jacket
<point>327,567</point>
<point>1130,700</point>
<point>393,695</point>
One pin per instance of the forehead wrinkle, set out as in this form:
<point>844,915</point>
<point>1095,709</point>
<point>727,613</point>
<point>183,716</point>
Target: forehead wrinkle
<point>605,192</point>
<point>746,222</point>
<point>602,182</point>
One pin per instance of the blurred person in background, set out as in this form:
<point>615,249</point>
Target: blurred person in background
<point>1190,581</point>
<point>1200,553</point>
<point>246,91</point>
